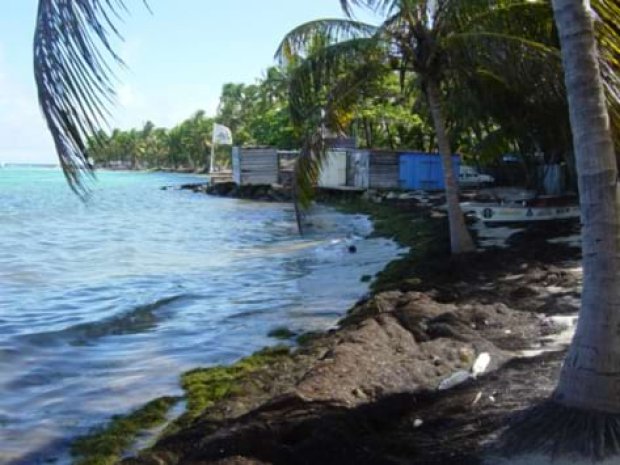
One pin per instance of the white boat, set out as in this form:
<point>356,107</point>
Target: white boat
<point>528,211</point>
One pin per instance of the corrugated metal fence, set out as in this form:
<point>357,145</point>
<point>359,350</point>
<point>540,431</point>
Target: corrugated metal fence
<point>252,166</point>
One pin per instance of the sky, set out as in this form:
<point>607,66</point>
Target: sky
<point>178,58</point>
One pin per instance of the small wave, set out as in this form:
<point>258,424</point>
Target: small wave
<point>324,248</point>
<point>140,319</point>
<point>244,315</point>
<point>282,248</point>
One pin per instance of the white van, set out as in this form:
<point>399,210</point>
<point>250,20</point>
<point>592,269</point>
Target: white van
<point>469,176</point>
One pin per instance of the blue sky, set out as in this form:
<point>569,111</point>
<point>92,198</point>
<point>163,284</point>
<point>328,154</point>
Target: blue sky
<point>179,57</point>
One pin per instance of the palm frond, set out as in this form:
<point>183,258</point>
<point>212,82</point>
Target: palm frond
<point>510,71</point>
<point>319,73</point>
<point>525,18</point>
<point>460,15</point>
<point>607,30</point>
<point>322,87</point>
<point>385,7</point>
<point>514,40</point>
<point>329,30</point>
<point>479,38</point>
<point>74,79</point>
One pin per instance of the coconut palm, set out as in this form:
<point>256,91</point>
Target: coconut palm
<point>588,379</point>
<point>583,415</point>
<point>435,41</point>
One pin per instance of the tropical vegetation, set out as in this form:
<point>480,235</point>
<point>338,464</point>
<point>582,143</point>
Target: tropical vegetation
<point>257,114</point>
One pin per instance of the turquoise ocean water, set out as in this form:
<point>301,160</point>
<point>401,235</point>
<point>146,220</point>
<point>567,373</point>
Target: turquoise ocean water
<point>104,304</point>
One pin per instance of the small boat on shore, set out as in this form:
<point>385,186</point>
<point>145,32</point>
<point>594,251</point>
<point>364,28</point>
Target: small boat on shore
<point>536,210</point>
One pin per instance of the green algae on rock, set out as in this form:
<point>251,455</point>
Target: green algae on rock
<point>205,386</point>
<point>105,445</point>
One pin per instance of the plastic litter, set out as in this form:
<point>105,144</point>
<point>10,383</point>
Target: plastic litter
<point>454,379</point>
<point>481,364</point>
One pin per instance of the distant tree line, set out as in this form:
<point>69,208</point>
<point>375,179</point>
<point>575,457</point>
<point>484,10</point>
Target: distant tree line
<point>256,113</point>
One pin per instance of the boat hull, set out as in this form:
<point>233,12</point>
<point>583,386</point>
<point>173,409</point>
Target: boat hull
<point>497,214</point>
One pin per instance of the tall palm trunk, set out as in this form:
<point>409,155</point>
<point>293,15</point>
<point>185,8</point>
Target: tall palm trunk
<point>590,378</point>
<point>460,239</point>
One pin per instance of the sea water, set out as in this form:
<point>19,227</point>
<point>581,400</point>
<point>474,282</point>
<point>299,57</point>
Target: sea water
<point>104,304</point>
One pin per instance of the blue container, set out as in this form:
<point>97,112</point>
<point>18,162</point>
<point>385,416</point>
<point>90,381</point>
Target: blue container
<point>424,171</point>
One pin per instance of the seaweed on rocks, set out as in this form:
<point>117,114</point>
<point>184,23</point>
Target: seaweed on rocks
<point>105,445</point>
<point>205,386</point>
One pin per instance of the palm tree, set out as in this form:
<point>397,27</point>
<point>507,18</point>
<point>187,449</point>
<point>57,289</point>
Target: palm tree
<point>585,372</point>
<point>428,39</point>
<point>583,415</point>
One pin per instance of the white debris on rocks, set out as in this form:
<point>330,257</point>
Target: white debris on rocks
<point>456,378</point>
<point>481,364</point>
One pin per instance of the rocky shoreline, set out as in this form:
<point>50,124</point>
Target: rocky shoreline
<point>369,391</point>
<point>261,193</point>
<point>280,193</point>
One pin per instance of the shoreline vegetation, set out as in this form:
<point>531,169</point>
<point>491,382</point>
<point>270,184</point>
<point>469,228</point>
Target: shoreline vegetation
<point>372,391</point>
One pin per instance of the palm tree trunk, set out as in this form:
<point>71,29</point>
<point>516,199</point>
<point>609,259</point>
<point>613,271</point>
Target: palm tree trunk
<point>590,377</point>
<point>460,239</point>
